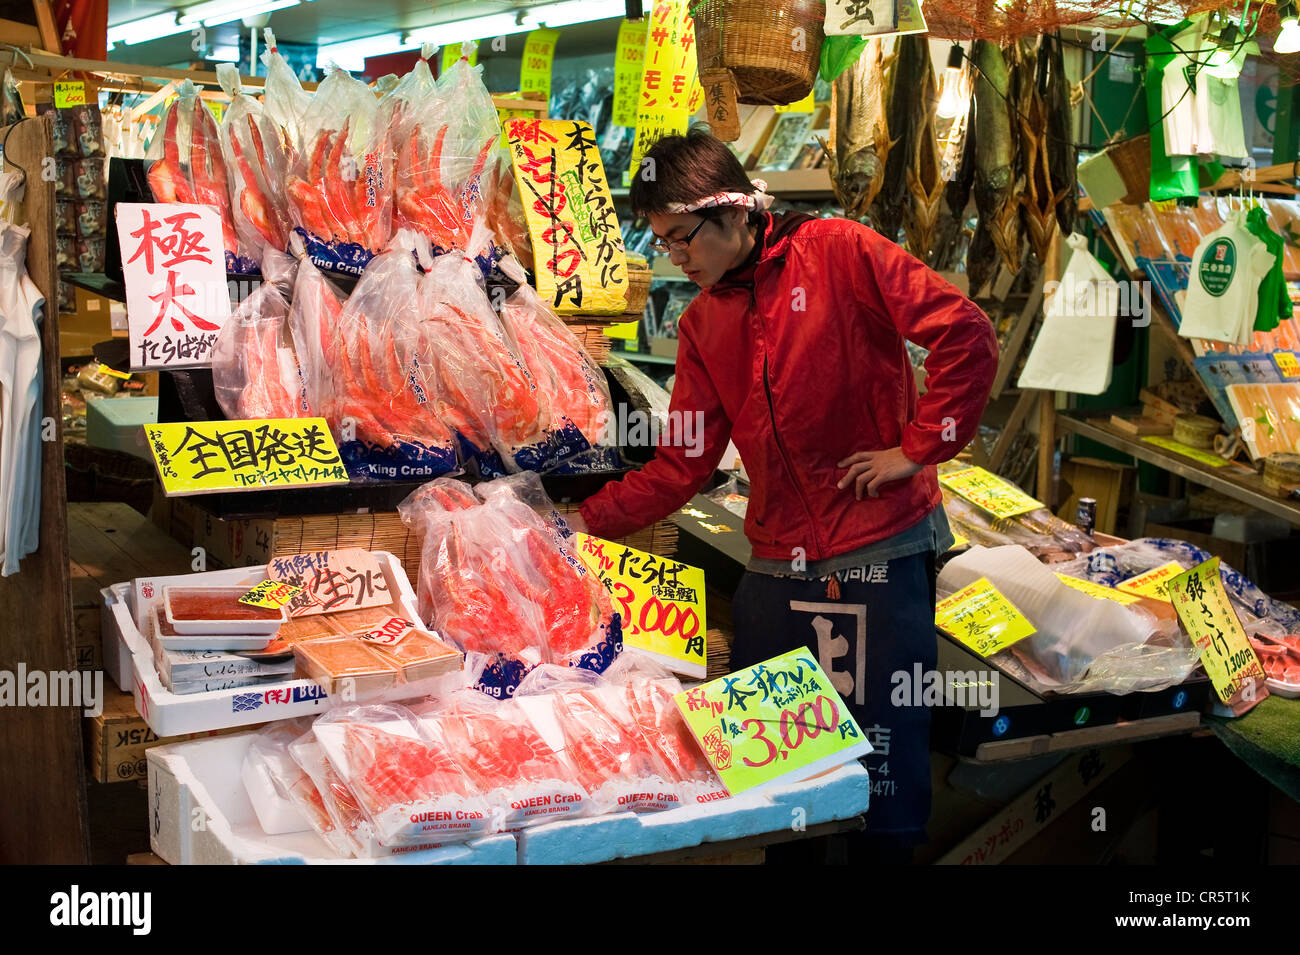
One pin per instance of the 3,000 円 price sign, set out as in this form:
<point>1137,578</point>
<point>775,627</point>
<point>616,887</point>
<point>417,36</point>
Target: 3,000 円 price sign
<point>780,720</point>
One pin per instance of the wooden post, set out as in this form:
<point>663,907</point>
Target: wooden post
<point>1052,270</point>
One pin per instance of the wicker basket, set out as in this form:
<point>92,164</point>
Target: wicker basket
<point>1132,159</point>
<point>1281,470</point>
<point>1196,431</point>
<point>760,42</point>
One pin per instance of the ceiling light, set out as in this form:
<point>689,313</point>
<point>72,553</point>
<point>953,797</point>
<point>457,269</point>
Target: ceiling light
<point>224,53</point>
<point>1288,41</point>
<point>148,28</point>
<point>954,93</point>
<point>351,54</point>
<point>458,31</point>
<point>568,12</point>
<point>216,12</point>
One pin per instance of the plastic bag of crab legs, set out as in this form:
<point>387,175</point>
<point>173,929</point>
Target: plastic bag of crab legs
<point>508,757</point>
<point>255,372</point>
<point>284,102</point>
<point>257,160</point>
<point>340,187</point>
<point>370,373</point>
<point>187,165</point>
<point>616,763</point>
<point>404,776</point>
<point>496,579</point>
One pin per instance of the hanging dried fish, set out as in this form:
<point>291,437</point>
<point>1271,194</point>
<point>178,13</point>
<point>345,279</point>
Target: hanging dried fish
<point>901,86</point>
<point>1038,204</point>
<point>1063,158</point>
<point>924,174</point>
<point>997,187</point>
<point>981,259</point>
<point>860,131</point>
<point>946,252</point>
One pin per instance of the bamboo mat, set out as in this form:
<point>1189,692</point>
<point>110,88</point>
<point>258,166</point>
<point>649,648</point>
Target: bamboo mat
<point>718,646</point>
<point>594,340</point>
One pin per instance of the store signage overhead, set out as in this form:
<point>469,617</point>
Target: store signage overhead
<point>174,267</point>
<point>205,457</point>
<point>629,61</point>
<point>780,720</point>
<point>578,256</point>
<point>539,55</point>
<point>1229,660</point>
<point>670,88</point>
<point>661,602</point>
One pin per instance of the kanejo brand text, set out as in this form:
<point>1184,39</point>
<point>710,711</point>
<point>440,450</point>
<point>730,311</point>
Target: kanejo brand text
<point>75,907</point>
<point>53,688</point>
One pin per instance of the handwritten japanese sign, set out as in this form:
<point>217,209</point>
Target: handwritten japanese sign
<point>578,254</point>
<point>272,594</point>
<point>453,52</point>
<point>174,265</point>
<point>69,93</point>
<point>653,125</point>
<point>389,633</point>
<point>861,17</point>
<point>1203,607</point>
<point>1287,364</point>
<point>983,489</point>
<point>770,722</point>
<point>629,61</point>
<point>1186,450</point>
<point>1153,583</point>
<point>348,578</point>
<point>1096,590</point>
<point>670,89</point>
<point>539,54</point>
<point>661,601</point>
<point>201,457</point>
<point>982,618</point>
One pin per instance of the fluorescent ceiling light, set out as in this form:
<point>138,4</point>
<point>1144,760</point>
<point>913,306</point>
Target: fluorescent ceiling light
<point>568,12</point>
<point>351,54</point>
<point>458,31</point>
<point>148,28</point>
<point>227,53</point>
<point>215,12</point>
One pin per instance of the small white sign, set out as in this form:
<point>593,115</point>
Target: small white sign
<point>174,265</point>
<point>861,17</point>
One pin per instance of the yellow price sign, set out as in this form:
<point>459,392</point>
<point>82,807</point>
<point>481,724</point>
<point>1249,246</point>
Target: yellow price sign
<point>505,114</point>
<point>578,256</point>
<point>105,370</point>
<point>1153,583</point>
<point>988,491</point>
<point>453,52</point>
<point>1098,591</point>
<point>804,105</point>
<point>1196,454</point>
<point>272,594</point>
<point>653,125</point>
<point>539,54</point>
<point>629,61</point>
<point>660,601</point>
<point>203,457</point>
<point>218,109</point>
<point>778,720</point>
<point>980,617</point>
<point>69,93</point>
<point>958,541</point>
<point>1229,660</point>
<point>624,331</point>
<point>1287,364</point>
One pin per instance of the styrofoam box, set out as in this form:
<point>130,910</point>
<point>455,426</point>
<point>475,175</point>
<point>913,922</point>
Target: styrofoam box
<point>199,812</point>
<point>131,663</point>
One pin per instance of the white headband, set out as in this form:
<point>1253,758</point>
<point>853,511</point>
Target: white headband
<point>758,199</point>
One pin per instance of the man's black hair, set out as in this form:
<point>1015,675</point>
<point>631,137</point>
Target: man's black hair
<point>685,169</point>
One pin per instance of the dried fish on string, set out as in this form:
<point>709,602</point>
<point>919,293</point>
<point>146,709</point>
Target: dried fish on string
<point>1038,204</point>
<point>959,175</point>
<point>860,131</point>
<point>924,174</point>
<point>901,84</point>
<point>1064,161</point>
<point>997,186</point>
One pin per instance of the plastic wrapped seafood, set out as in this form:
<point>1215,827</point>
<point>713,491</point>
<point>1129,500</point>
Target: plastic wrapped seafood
<point>188,165</point>
<point>1040,532</point>
<point>270,772</point>
<point>340,186</point>
<point>285,102</point>
<point>257,159</point>
<point>255,371</point>
<point>403,775</point>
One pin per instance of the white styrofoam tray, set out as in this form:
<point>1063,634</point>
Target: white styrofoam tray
<point>199,812</point>
<point>131,661</point>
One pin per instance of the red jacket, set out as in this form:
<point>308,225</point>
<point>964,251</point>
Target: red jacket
<point>800,359</point>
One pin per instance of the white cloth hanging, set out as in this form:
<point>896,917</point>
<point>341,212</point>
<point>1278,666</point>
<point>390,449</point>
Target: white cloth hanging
<point>1223,287</point>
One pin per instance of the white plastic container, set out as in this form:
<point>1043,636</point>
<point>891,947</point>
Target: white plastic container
<point>216,631</point>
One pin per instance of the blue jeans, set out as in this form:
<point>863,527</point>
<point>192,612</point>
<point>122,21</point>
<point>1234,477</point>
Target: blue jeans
<point>876,621</point>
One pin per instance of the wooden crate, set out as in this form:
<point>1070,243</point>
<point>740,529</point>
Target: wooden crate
<point>1105,481</point>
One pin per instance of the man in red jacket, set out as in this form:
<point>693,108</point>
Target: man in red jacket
<point>795,350</point>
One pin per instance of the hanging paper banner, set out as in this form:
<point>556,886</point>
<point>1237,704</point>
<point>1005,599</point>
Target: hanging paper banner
<point>910,18</point>
<point>988,491</point>
<point>860,17</point>
<point>201,457</point>
<point>629,61</point>
<point>982,618</point>
<point>1229,660</point>
<point>653,125</point>
<point>578,255</point>
<point>780,720</point>
<point>670,89</point>
<point>69,93</point>
<point>174,266</point>
<point>329,581</point>
<point>453,52</point>
<point>539,54</point>
<point>661,601</point>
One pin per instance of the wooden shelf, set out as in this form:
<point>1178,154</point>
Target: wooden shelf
<point>645,357</point>
<point>98,283</point>
<point>1234,480</point>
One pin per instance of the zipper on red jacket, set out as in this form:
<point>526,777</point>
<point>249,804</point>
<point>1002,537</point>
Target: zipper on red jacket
<point>785,457</point>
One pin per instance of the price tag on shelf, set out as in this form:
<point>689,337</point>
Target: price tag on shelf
<point>625,331</point>
<point>1096,590</point>
<point>629,61</point>
<point>1153,583</point>
<point>1196,454</point>
<point>660,601</point>
<point>202,457</point>
<point>272,594</point>
<point>218,109</point>
<point>982,618</point>
<point>778,720</point>
<point>988,491</point>
<point>389,633</point>
<point>69,93</point>
<point>453,52</point>
<point>539,54</point>
<point>346,578</point>
<point>1229,660</point>
<point>1287,364</point>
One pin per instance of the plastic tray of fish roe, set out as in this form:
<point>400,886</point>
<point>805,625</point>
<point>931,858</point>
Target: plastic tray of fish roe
<point>345,665</point>
<point>421,655</point>
<point>204,610</point>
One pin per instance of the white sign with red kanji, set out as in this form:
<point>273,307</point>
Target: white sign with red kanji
<point>174,265</point>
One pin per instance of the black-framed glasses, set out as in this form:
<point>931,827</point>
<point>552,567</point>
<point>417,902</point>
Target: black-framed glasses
<point>678,245</point>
